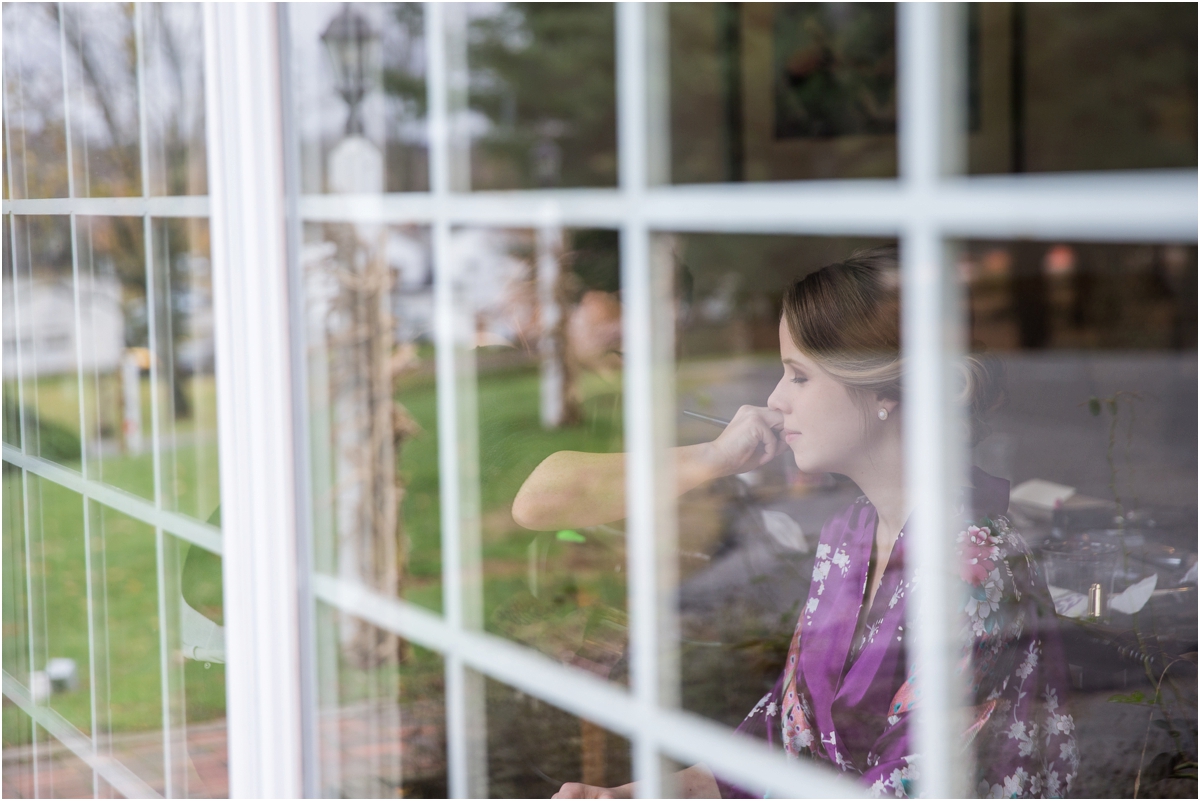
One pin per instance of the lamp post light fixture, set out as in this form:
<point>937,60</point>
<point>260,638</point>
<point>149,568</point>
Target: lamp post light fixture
<point>353,47</point>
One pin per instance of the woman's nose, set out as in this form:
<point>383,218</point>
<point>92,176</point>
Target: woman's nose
<point>775,399</point>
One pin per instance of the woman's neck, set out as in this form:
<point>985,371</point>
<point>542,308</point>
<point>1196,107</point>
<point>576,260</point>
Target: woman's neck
<point>881,478</point>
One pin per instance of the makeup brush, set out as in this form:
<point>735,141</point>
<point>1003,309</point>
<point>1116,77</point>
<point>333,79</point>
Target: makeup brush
<point>716,421</point>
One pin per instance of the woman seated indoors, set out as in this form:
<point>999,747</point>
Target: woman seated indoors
<point>846,694</point>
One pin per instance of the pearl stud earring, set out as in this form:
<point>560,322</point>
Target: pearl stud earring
<point>883,414</point>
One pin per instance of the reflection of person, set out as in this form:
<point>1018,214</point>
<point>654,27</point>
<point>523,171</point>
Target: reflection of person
<point>846,695</point>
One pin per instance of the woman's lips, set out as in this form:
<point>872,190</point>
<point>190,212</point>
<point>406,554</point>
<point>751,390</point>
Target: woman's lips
<point>788,436</point>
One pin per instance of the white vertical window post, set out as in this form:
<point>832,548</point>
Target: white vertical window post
<point>446,88</point>
<point>933,448</point>
<point>652,638</point>
<point>258,479</point>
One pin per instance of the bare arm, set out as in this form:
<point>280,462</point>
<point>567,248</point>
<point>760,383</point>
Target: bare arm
<point>573,489</point>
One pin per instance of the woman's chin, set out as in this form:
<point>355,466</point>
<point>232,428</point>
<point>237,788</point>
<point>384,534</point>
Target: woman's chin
<point>806,464</point>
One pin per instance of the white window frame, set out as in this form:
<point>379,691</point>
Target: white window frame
<point>270,705</point>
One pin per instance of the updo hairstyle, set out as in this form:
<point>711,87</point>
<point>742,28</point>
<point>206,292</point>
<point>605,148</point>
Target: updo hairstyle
<point>846,318</point>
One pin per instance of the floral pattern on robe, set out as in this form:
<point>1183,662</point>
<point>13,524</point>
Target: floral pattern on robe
<point>846,696</point>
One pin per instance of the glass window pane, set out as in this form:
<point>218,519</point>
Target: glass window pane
<point>748,534</point>
<point>172,34</point>
<point>795,537</point>
<point>60,603</point>
<point>18,780</point>
<point>781,91</point>
<point>1063,86</point>
<point>382,719</point>
<point>360,102</point>
<point>542,107</point>
<point>546,310</point>
<point>1097,436</point>
<point>4,162</point>
<point>115,350</point>
<point>58,772</point>
<point>16,600</point>
<point>187,387</point>
<point>129,700</point>
<point>533,748</point>
<point>201,718</point>
<point>36,141</point>
<point>12,403</point>
<point>101,64</point>
<point>46,337</point>
<point>78,320</point>
<point>373,407</point>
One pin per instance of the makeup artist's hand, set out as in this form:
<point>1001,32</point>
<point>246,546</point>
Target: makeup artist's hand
<point>749,441</point>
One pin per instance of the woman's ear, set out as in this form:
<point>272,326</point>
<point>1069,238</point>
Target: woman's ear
<point>889,404</point>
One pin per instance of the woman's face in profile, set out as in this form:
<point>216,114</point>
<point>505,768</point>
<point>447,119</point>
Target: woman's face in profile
<point>822,422</point>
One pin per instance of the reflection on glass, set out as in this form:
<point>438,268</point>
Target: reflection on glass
<point>201,640</point>
<point>793,514</point>
<point>16,603</point>
<point>18,781</point>
<point>59,600</point>
<point>129,661</point>
<point>10,373</point>
<point>1060,86</point>
<point>534,748</point>
<point>129,697</point>
<point>546,311</point>
<point>45,337</point>
<point>382,725</point>
<point>745,540</point>
<point>542,107</point>
<point>1098,439</point>
<point>35,136</point>
<point>49,769</point>
<point>187,400</point>
<point>115,351</point>
<point>101,62</point>
<point>373,406</point>
<point>172,34</point>
<point>777,91</point>
<point>360,96</point>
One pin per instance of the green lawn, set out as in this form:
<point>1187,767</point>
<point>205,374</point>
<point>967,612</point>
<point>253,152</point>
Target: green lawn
<point>578,584</point>
<point>126,621</point>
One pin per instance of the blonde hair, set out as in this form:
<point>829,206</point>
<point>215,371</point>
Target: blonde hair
<point>846,318</point>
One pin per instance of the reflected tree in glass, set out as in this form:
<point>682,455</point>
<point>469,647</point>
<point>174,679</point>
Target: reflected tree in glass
<point>543,84</point>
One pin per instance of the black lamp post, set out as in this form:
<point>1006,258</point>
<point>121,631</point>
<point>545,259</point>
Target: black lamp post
<point>353,47</point>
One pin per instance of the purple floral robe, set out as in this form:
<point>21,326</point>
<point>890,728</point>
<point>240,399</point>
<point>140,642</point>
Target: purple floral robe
<point>846,695</point>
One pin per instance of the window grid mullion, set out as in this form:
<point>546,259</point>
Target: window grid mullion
<point>466,762</point>
<point>1118,206</point>
<point>642,589</point>
<point>174,523</point>
<point>924,139</point>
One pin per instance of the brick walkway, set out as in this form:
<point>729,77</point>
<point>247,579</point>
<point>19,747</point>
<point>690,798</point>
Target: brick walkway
<point>382,750</point>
